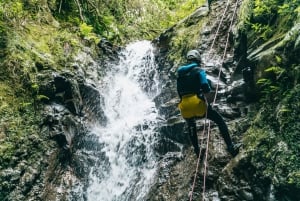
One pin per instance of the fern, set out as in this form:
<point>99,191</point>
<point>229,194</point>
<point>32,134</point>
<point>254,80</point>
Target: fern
<point>41,97</point>
<point>85,29</point>
<point>263,81</point>
<point>275,69</point>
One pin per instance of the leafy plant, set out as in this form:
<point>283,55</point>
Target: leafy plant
<point>289,7</point>
<point>119,20</point>
<point>273,74</point>
<point>85,29</point>
<point>270,18</point>
<point>275,69</point>
<point>87,32</point>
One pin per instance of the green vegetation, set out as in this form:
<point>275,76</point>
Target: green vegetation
<point>122,21</point>
<point>268,18</point>
<point>273,139</point>
<point>18,126</point>
<point>117,20</point>
<point>274,84</point>
<point>48,34</point>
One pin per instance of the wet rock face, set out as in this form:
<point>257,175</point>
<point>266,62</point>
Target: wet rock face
<point>61,125</point>
<point>240,178</point>
<point>67,92</point>
<point>243,181</point>
<point>72,98</point>
<point>68,103</point>
<point>92,100</point>
<point>62,89</point>
<point>178,164</point>
<point>66,115</point>
<point>71,102</point>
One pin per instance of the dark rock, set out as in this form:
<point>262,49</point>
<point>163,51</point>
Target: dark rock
<point>196,16</point>
<point>92,101</point>
<point>107,47</point>
<point>246,195</point>
<point>166,145</point>
<point>63,127</point>
<point>162,42</point>
<point>67,92</point>
<point>46,84</point>
<point>170,108</point>
<point>175,130</point>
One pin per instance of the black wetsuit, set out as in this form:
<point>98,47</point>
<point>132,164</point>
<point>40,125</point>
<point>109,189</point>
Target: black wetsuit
<point>192,79</point>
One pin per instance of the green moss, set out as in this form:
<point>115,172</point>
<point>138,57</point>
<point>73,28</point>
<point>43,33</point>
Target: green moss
<point>272,141</point>
<point>19,122</point>
<point>31,47</point>
<point>37,47</point>
<point>185,38</point>
<point>254,136</point>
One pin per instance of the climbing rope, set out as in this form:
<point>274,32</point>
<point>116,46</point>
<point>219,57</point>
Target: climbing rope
<point>218,29</point>
<point>204,129</point>
<point>198,163</point>
<point>217,87</point>
<point>214,100</point>
<point>225,50</point>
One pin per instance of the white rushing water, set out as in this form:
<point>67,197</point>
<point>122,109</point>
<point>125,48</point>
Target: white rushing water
<point>129,166</point>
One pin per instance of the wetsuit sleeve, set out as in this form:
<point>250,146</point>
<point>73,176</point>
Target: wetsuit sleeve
<point>204,82</point>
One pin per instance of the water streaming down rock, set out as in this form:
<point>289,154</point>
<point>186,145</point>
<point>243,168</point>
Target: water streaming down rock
<point>129,163</point>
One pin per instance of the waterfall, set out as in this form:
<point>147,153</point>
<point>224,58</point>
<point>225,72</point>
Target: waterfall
<point>129,164</point>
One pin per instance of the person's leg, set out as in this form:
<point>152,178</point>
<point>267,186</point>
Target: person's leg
<point>193,134</point>
<point>217,118</point>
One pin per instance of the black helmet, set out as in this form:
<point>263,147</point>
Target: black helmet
<point>193,55</point>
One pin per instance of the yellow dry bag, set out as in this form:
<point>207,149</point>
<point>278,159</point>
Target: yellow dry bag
<point>192,106</point>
